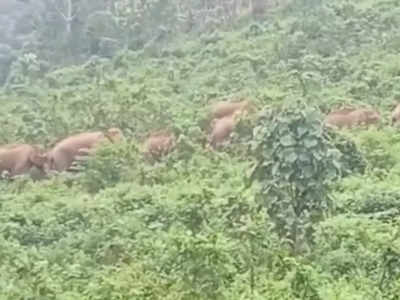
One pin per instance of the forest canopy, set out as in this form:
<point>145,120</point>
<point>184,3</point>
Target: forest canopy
<point>65,32</point>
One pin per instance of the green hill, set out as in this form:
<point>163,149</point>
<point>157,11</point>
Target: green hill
<point>190,227</point>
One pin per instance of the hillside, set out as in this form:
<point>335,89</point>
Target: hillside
<point>190,226</point>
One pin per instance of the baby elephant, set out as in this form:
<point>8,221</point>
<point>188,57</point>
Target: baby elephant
<point>350,118</point>
<point>159,143</point>
<point>222,129</point>
<point>19,159</point>
<point>64,153</point>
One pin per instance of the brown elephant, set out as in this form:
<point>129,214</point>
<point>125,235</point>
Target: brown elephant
<point>365,116</point>
<point>222,129</point>
<point>225,108</point>
<point>64,153</point>
<point>352,118</point>
<point>396,114</point>
<point>18,159</point>
<point>159,143</point>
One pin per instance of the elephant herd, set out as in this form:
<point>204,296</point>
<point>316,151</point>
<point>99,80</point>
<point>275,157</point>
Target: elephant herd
<point>17,159</point>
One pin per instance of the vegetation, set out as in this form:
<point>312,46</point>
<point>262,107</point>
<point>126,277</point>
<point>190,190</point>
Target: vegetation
<point>288,210</point>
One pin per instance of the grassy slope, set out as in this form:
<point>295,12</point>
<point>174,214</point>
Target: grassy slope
<point>171,231</point>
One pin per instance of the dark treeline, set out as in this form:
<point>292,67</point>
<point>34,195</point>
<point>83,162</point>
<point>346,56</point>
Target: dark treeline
<point>59,33</point>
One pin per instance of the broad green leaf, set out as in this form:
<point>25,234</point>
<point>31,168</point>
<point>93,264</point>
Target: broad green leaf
<point>287,141</point>
<point>310,142</point>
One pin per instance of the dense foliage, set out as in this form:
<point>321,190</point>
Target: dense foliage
<point>296,163</point>
<point>320,222</point>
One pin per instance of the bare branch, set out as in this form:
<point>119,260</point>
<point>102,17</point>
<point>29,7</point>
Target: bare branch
<point>67,18</point>
<point>59,11</point>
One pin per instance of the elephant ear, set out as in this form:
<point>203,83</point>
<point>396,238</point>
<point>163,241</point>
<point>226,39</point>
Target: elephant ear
<point>38,158</point>
<point>114,135</point>
<point>212,123</point>
<point>250,106</point>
